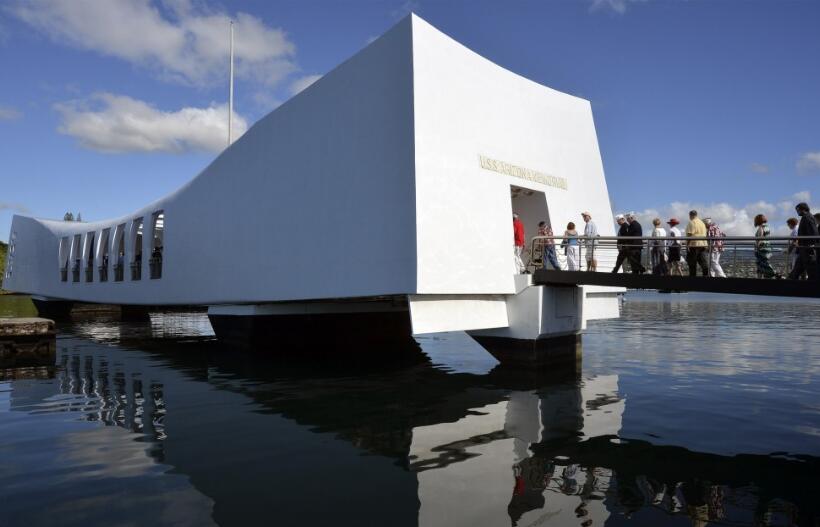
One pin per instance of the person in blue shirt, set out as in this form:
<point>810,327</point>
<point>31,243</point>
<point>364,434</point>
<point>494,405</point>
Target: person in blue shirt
<point>571,246</point>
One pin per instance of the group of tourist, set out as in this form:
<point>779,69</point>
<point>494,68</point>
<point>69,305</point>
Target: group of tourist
<point>545,245</point>
<point>665,253</point>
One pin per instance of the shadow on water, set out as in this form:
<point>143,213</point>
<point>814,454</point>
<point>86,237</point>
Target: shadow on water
<point>194,435</point>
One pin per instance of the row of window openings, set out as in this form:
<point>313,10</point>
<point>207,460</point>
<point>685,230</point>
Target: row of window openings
<point>71,247</point>
<point>10,254</point>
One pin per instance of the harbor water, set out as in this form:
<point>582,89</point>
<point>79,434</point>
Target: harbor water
<point>689,409</point>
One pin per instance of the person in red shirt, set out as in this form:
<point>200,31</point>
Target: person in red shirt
<point>519,239</point>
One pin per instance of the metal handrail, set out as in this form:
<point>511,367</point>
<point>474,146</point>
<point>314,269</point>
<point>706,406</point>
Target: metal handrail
<point>601,251</point>
<point>701,238</point>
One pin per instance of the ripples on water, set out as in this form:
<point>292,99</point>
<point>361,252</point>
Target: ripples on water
<point>689,410</point>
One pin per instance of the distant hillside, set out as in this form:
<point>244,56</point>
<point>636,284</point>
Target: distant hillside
<point>3,249</point>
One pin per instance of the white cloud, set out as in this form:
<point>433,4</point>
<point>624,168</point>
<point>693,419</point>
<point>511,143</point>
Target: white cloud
<point>808,163</point>
<point>759,168</point>
<point>303,82</point>
<point>8,113</point>
<point>785,207</point>
<point>116,123</point>
<point>762,207</point>
<point>615,6</point>
<point>185,41</point>
<point>14,207</point>
<point>733,220</point>
<point>266,100</point>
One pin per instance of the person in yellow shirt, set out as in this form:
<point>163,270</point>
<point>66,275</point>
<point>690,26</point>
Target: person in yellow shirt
<point>696,249</point>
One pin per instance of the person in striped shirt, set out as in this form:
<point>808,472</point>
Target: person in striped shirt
<point>547,246</point>
<point>715,236</point>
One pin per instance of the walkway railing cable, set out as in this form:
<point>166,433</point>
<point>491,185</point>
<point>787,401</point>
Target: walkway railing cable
<point>735,256</point>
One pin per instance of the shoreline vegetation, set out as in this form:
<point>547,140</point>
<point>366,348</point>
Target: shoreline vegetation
<point>3,250</point>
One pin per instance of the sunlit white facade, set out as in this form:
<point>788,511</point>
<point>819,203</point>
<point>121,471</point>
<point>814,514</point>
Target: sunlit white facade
<point>392,177</point>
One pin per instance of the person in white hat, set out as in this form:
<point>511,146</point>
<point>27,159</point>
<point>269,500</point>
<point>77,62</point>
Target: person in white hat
<point>635,248</point>
<point>622,248</point>
<point>590,233</point>
<point>657,249</point>
<point>675,264</point>
<point>715,248</point>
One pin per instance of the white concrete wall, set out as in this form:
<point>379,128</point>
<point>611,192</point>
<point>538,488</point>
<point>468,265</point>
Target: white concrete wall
<point>540,311</point>
<point>367,183</point>
<point>316,200</point>
<point>440,313</point>
<point>466,106</point>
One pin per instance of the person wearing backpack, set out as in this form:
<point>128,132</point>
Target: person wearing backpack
<point>715,236</point>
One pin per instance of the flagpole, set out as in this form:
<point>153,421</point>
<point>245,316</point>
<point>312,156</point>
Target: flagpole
<point>230,94</point>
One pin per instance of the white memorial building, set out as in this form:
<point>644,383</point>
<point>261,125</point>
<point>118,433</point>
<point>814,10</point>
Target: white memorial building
<point>374,205</point>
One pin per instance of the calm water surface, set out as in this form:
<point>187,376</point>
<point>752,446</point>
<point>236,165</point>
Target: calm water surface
<point>689,410</point>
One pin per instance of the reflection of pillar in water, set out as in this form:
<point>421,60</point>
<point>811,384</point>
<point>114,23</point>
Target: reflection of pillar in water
<point>561,413</point>
<point>522,422</point>
<point>464,467</point>
<point>603,408</point>
<point>480,470</point>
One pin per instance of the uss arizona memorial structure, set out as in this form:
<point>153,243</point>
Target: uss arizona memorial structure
<point>377,202</point>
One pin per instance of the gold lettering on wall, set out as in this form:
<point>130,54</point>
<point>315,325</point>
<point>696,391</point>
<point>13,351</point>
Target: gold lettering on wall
<point>520,172</point>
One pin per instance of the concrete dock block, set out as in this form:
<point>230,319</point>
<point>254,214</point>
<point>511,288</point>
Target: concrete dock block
<point>27,342</point>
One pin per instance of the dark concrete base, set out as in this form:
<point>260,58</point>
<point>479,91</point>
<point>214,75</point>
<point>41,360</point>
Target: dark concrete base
<point>316,334</point>
<point>551,353</point>
<point>134,313</point>
<point>62,310</point>
<point>53,309</point>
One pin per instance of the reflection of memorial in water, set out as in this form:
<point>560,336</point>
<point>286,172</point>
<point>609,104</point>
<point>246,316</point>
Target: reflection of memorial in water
<point>490,449</point>
<point>445,448</point>
<point>112,395</point>
<point>553,456</point>
<point>95,440</point>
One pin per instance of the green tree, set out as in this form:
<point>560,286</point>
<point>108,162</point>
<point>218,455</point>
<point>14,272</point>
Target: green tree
<point>3,250</point>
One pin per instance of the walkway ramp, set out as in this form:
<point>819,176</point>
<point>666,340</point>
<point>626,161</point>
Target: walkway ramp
<point>740,286</point>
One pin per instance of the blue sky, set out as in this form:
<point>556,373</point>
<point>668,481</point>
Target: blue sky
<point>707,104</point>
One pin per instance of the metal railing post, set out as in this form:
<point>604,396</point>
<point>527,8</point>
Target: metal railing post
<point>580,253</point>
<point>709,248</point>
<point>734,259</point>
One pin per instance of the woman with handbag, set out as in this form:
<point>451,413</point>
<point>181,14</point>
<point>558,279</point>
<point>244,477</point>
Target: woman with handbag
<point>763,248</point>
